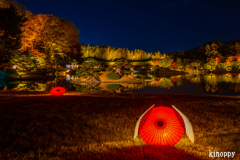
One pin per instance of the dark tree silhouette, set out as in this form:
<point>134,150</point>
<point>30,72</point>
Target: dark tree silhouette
<point>10,31</point>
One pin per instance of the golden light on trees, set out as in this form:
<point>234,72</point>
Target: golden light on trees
<point>50,33</point>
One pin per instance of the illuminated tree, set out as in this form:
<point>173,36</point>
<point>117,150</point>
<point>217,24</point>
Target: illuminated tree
<point>174,65</point>
<point>165,63</point>
<point>89,68</point>
<point>24,62</point>
<point>71,24</point>
<point>155,62</point>
<point>48,32</point>
<point>217,60</point>
<point>210,65</point>
<point>126,66</point>
<point>41,60</point>
<point>113,53</point>
<point>212,51</point>
<point>238,57</point>
<point>179,61</point>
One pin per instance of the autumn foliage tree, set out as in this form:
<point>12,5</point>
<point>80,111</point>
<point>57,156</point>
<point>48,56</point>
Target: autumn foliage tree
<point>212,51</point>
<point>71,24</point>
<point>51,34</point>
<point>174,65</point>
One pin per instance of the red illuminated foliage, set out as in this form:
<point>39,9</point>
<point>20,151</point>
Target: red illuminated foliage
<point>174,65</point>
<point>217,59</point>
<point>231,59</point>
<point>174,79</point>
<point>50,33</point>
<point>238,57</point>
<point>155,62</point>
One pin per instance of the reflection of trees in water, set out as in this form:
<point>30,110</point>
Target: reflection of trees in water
<point>87,88</point>
<point>193,79</point>
<point>41,86</point>
<point>228,78</point>
<point>212,88</point>
<point>104,87</point>
<point>218,83</point>
<point>162,83</point>
<point>33,86</point>
<point>21,87</point>
<point>235,88</point>
<point>232,87</point>
<point>184,80</point>
<point>166,83</point>
<point>210,83</point>
<point>210,79</point>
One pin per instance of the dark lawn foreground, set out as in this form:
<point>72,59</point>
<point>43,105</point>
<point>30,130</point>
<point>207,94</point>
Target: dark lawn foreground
<point>101,126</point>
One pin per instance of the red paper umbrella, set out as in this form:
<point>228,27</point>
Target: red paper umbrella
<point>57,91</point>
<point>163,126</point>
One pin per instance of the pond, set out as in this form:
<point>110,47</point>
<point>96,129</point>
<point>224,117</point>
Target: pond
<point>211,84</point>
<point>225,84</point>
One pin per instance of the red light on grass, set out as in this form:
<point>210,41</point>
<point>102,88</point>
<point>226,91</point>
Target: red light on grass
<point>57,91</point>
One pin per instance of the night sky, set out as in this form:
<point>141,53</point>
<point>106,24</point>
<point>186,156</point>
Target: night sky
<point>150,25</point>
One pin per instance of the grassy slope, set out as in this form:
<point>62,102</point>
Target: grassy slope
<point>85,126</point>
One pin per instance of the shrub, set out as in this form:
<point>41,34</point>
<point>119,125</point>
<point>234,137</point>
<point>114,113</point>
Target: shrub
<point>113,76</point>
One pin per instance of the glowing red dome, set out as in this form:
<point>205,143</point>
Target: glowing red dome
<point>161,126</point>
<point>57,91</point>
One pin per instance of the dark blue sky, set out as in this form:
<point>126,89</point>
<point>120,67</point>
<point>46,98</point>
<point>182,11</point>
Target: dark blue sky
<point>150,25</point>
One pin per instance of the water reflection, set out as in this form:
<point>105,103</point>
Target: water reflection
<point>226,84</point>
<point>33,86</point>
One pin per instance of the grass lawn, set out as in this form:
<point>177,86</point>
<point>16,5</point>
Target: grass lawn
<point>101,126</point>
